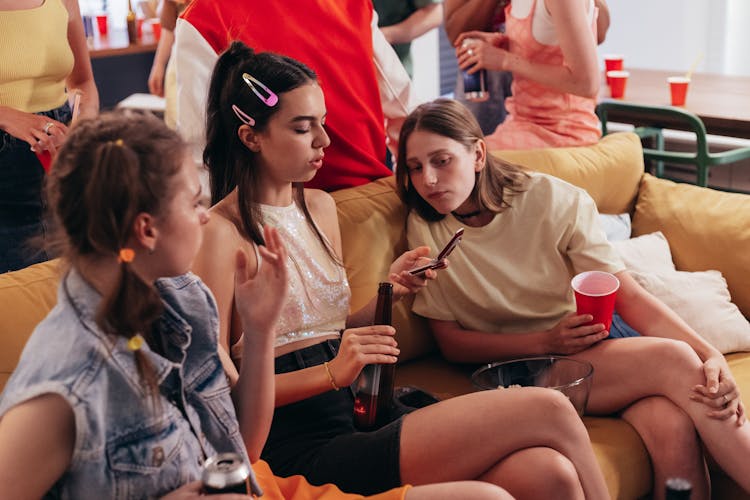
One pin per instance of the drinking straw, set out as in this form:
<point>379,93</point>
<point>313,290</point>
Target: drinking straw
<point>697,60</point>
<point>76,106</point>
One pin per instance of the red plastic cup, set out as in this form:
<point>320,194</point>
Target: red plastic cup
<point>595,295</point>
<point>156,29</point>
<point>613,62</point>
<point>617,81</point>
<point>45,158</point>
<point>139,28</point>
<point>101,23</point>
<point>678,87</point>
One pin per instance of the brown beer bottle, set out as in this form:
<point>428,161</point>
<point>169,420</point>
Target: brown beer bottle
<point>374,389</point>
<point>132,30</point>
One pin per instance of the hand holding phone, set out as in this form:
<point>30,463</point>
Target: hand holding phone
<point>439,261</point>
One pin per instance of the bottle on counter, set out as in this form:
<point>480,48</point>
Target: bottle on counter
<point>132,28</point>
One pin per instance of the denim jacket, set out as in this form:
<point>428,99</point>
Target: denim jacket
<point>124,446</point>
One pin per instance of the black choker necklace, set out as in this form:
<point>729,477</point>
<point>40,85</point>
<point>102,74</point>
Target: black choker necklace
<point>467,215</point>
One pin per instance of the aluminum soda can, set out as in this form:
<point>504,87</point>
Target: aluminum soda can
<point>475,84</point>
<point>226,473</point>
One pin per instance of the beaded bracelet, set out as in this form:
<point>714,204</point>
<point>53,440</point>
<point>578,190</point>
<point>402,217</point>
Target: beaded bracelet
<point>330,376</point>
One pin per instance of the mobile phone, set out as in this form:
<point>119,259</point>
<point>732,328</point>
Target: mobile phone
<point>437,262</point>
<point>413,397</point>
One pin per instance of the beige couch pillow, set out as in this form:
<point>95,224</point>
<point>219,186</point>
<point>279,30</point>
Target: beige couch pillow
<point>648,253</point>
<point>706,229</point>
<point>609,171</point>
<point>701,299</point>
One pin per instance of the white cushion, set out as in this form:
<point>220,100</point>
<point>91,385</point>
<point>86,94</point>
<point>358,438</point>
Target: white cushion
<point>648,253</point>
<point>701,299</point>
<point>616,227</point>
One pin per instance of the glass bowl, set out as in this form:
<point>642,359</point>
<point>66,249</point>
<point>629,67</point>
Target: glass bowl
<point>569,376</point>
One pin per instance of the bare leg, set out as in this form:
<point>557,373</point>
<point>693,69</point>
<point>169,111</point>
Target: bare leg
<point>629,369</point>
<point>673,444</point>
<point>476,490</point>
<point>554,475</point>
<point>467,436</point>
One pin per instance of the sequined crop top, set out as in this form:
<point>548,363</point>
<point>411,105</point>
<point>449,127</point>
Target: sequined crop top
<point>318,300</point>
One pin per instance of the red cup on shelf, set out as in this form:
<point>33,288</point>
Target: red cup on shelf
<point>139,28</point>
<point>595,293</point>
<point>617,82</point>
<point>101,24</point>
<point>613,62</point>
<point>678,87</point>
<point>156,29</point>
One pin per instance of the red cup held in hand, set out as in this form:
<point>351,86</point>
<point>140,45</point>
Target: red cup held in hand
<point>617,82</point>
<point>595,293</point>
<point>678,87</point>
<point>45,158</point>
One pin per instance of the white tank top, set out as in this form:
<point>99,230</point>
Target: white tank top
<point>541,26</point>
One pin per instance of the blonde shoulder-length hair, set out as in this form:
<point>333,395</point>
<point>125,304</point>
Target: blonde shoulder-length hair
<point>494,185</point>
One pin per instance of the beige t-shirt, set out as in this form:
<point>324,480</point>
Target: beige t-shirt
<point>513,275</point>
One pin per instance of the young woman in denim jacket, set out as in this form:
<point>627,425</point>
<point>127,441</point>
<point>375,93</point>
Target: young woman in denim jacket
<point>266,136</point>
<point>119,392</point>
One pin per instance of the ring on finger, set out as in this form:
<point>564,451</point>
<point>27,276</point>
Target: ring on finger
<point>470,52</point>
<point>726,399</point>
<point>48,126</point>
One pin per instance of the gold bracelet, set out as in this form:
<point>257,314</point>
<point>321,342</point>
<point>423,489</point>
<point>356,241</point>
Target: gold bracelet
<point>330,376</point>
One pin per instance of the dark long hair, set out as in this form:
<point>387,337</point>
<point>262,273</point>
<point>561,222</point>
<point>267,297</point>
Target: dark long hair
<point>494,185</point>
<point>231,164</point>
<point>110,169</point>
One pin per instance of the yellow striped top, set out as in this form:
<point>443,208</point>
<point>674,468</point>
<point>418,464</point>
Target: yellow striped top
<point>35,57</point>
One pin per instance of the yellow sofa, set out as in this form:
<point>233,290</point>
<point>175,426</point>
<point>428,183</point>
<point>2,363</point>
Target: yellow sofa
<point>706,230</point>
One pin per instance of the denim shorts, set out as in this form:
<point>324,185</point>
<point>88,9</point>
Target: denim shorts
<point>620,329</point>
<point>316,437</point>
<point>21,200</point>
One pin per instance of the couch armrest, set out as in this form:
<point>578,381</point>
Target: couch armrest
<point>26,296</point>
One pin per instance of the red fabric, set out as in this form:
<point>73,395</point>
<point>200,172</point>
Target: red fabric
<point>334,39</point>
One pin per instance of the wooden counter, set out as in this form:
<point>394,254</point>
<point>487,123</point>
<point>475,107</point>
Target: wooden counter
<point>120,68</point>
<point>116,43</point>
<point>721,101</point>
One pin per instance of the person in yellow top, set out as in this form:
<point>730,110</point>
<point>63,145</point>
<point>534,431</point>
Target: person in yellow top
<point>36,68</point>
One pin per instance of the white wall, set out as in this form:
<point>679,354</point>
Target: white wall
<point>672,34</point>
<point>656,34</point>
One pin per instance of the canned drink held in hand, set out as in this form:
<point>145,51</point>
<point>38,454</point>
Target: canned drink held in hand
<point>226,473</point>
<point>475,84</point>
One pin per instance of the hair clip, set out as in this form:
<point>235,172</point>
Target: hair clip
<point>269,101</point>
<point>135,342</point>
<point>244,117</point>
<point>126,255</point>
